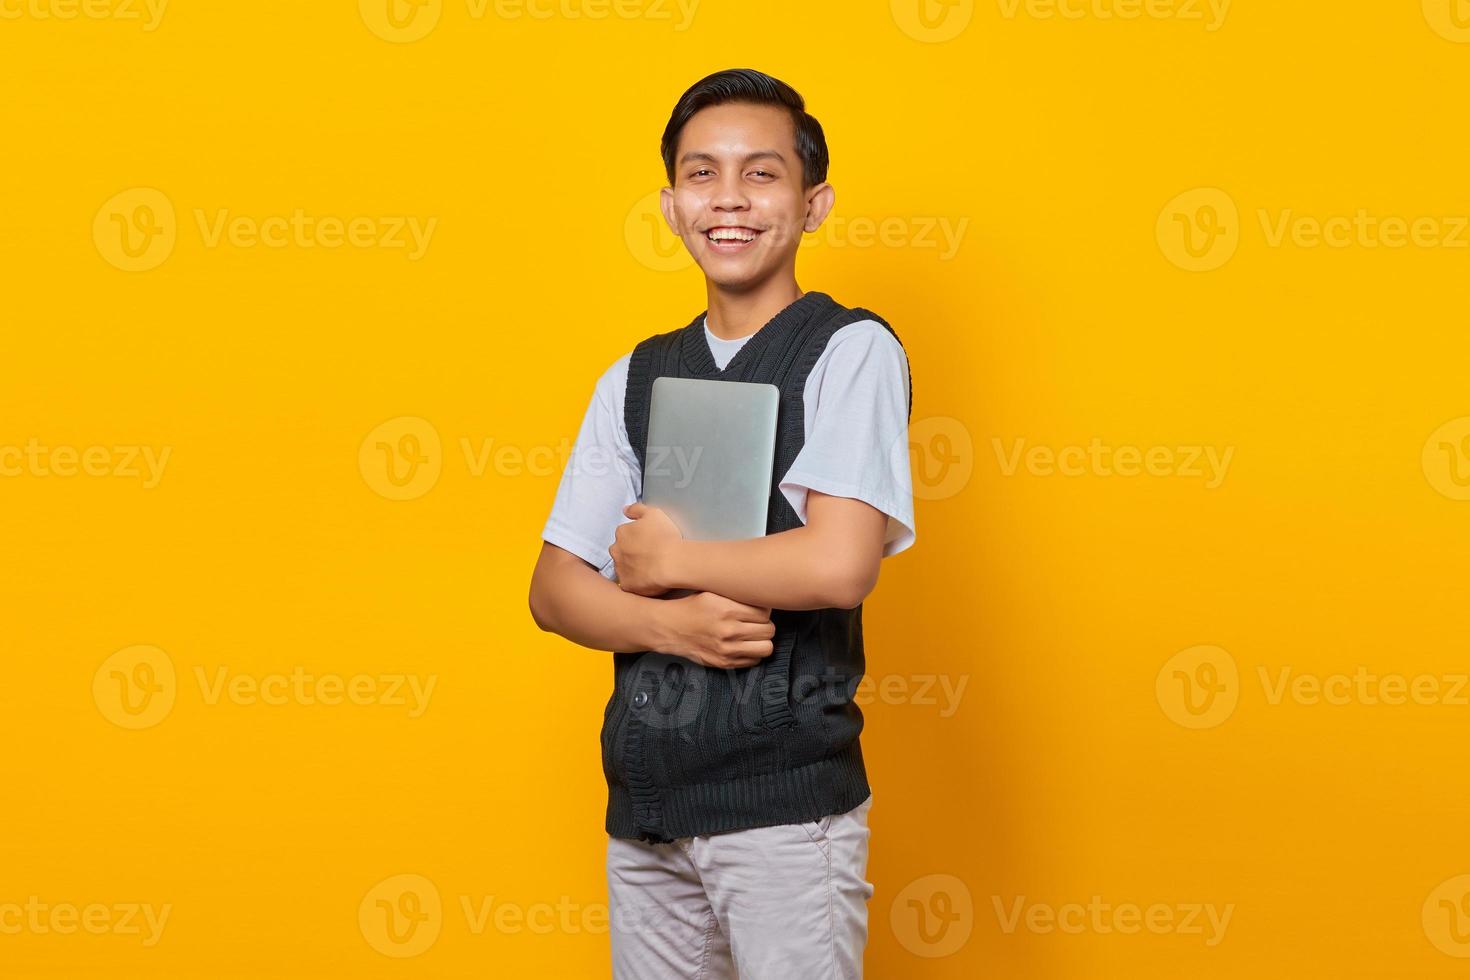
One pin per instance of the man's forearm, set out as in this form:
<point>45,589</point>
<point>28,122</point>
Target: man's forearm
<point>574,600</point>
<point>794,569</point>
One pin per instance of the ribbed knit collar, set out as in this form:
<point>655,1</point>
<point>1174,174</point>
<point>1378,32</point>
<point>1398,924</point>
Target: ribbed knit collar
<point>701,363</point>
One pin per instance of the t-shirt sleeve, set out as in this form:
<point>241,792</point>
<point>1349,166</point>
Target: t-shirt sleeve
<point>600,479</point>
<point>856,401</point>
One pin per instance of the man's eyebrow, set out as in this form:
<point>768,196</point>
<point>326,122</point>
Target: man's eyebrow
<point>756,155</point>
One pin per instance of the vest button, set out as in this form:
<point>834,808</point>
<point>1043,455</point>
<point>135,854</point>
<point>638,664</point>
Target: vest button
<point>640,699</point>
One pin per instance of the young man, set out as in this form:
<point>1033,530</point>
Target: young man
<point>737,796</point>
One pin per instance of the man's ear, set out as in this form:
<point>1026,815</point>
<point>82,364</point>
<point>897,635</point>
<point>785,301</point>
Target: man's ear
<point>819,201</point>
<point>666,205</point>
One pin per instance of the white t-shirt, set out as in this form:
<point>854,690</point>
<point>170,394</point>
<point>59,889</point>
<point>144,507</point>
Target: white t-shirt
<point>856,444</point>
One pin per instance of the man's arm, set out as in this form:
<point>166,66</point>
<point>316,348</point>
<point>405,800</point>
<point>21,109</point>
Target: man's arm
<point>831,561</point>
<point>572,599</point>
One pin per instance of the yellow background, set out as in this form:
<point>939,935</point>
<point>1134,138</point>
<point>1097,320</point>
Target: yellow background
<point>1069,770</point>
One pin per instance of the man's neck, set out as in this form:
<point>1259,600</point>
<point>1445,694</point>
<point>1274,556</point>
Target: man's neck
<point>735,315</point>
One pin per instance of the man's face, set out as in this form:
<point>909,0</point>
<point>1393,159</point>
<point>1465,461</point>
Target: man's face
<point>737,200</point>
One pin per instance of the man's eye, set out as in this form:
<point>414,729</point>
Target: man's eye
<point>698,172</point>
<point>764,173</point>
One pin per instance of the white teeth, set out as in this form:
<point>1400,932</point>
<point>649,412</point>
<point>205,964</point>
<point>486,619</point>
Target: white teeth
<point>730,234</point>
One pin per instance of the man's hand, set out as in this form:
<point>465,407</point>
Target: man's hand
<point>644,549</point>
<point>712,630</point>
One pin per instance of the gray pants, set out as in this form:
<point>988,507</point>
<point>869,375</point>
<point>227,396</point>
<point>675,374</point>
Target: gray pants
<point>776,902</point>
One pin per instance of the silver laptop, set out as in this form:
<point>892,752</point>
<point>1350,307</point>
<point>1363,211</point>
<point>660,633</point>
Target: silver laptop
<point>711,450</point>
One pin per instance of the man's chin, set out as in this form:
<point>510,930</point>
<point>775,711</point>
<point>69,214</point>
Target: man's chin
<point>733,277</point>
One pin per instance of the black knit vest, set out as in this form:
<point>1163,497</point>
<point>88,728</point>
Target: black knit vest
<point>691,750</point>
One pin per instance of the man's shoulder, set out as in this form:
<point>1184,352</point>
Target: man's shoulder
<point>856,321</point>
<point>866,335</point>
<point>862,357</point>
<point>611,382</point>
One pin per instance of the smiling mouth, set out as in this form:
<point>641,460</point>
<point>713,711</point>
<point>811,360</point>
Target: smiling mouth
<point>727,239</point>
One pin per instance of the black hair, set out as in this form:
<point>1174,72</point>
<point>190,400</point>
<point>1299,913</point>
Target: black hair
<point>757,88</point>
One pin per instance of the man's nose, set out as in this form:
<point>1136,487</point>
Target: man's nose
<point>730,196</point>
